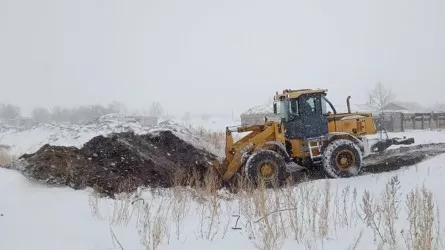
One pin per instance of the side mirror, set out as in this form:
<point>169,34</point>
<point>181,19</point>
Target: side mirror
<point>275,108</point>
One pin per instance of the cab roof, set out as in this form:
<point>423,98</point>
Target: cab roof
<point>292,94</point>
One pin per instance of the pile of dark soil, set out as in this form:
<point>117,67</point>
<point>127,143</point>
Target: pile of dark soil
<point>117,163</point>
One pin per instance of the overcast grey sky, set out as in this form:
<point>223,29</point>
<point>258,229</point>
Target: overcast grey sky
<point>212,56</point>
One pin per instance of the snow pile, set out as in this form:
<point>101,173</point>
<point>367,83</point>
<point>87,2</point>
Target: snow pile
<point>259,110</point>
<point>22,141</point>
<point>191,135</point>
<point>215,123</point>
<point>18,141</point>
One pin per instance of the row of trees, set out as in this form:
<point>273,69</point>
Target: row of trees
<point>379,97</point>
<point>8,111</point>
<point>79,114</point>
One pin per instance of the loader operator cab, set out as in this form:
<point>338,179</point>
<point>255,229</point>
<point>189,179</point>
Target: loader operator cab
<point>304,113</point>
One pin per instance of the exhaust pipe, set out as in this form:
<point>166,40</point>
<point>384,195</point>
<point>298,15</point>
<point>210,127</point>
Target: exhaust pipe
<point>349,104</point>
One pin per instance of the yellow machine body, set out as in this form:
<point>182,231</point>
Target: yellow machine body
<point>272,136</point>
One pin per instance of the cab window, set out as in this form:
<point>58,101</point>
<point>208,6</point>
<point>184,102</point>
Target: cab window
<point>308,106</point>
<point>293,107</point>
<point>325,108</point>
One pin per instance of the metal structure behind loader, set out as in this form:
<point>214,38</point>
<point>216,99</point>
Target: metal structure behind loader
<point>310,132</point>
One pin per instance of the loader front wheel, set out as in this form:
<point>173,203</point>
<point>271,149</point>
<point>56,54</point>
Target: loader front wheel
<point>342,158</point>
<point>266,166</point>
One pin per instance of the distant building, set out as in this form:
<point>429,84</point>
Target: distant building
<point>394,108</point>
<point>413,107</point>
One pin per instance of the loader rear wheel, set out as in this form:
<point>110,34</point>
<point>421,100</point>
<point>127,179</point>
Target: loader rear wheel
<point>266,166</point>
<point>342,158</point>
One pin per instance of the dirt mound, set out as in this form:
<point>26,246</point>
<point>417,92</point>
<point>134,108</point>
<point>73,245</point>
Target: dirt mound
<point>117,163</point>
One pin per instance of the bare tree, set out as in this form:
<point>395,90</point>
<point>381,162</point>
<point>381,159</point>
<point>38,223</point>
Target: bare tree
<point>156,109</point>
<point>379,97</point>
<point>80,114</point>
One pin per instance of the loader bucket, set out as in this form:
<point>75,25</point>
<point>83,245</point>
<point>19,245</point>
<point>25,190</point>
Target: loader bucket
<point>405,141</point>
<point>385,144</point>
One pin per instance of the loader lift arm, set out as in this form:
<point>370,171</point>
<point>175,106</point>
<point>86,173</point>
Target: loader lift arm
<point>236,153</point>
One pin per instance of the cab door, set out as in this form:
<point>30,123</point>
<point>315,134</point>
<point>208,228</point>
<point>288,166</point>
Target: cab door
<point>306,118</point>
<point>315,123</point>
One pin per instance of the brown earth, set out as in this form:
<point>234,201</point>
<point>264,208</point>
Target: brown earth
<point>117,163</point>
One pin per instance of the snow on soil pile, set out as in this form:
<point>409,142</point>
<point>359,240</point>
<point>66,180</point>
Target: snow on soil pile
<point>19,140</point>
<point>261,109</point>
<point>188,134</point>
<point>120,162</point>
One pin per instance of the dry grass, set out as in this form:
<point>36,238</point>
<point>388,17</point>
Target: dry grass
<point>6,158</point>
<point>216,140</point>
<point>424,221</point>
<point>308,214</point>
<point>382,214</point>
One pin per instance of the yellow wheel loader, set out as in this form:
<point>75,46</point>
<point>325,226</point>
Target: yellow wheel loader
<point>308,132</point>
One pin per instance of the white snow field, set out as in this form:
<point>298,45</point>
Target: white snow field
<point>322,214</point>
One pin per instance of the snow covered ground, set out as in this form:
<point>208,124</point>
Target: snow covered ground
<point>33,216</point>
<point>318,214</point>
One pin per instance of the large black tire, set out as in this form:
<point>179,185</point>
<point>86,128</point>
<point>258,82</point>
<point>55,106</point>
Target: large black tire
<point>266,166</point>
<point>342,158</point>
